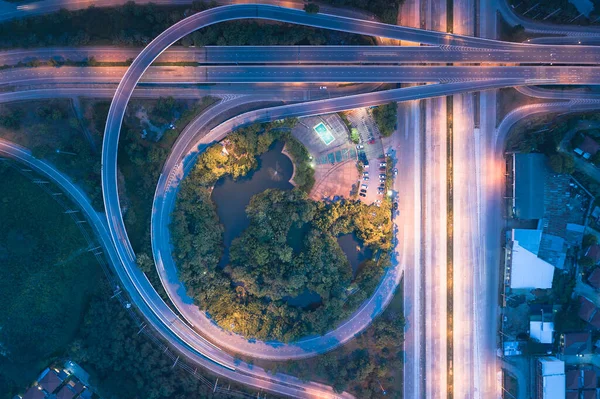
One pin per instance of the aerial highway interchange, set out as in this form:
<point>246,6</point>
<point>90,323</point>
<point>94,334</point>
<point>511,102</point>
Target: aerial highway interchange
<point>421,229</point>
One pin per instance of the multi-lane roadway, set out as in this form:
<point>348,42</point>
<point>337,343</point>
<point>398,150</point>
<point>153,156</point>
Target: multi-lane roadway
<point>526,54</point>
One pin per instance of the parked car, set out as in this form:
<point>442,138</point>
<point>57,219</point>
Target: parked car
<point>363,190</point>
<point>366,178</point>
<point>382,164</point>
<point>382,176</point>
<point>362,195</point>
<point>395,171</point>
<point>360,147</point>
<point>364,186</point>
<point>395,206</point>
<point>372,141</point>
<point>381,180</point>
<point>382,169</point>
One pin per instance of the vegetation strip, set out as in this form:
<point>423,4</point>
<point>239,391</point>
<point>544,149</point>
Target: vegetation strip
<point>449,222</point>
<point>450,244</point>
<point>422,277</point>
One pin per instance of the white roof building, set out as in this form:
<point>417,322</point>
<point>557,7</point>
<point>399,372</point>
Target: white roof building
<point>550,379</point>
<point>541,331</point>
<point>527,269</point>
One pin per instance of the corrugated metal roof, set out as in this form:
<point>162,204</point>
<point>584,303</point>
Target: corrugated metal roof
<point>530,173</point>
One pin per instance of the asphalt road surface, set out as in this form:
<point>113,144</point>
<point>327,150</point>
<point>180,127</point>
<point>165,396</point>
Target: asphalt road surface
<point>564,75</point>
<point>530,54</point>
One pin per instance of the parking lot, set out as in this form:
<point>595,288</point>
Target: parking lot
<point>370,149</point>
<point>327,139</point>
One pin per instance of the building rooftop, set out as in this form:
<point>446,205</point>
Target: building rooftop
<point>541,331</point>
<point>589,394</point>
<point>34,393</point>
<point>527,269</point>
<point>594,278</point>
<point>586,309</point>
<point>528,238</point>
<point>590,379</point>
<point>589,145</point>
<point>553,375</point>
<point>65,393</point>
<point>530,172</point>
<point>595,321</point>
<point>553,250</point>
<point>576,343</point>
<point>49,380</point>
<point>573,379</point>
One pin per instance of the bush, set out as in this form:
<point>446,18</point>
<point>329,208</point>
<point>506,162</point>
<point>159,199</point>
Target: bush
<point>385,117</point>
<point>311,8</point>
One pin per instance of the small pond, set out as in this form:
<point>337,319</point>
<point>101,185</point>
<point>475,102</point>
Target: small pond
<point>274,171</point>
<point>354,250</point>
<point>232,196</point>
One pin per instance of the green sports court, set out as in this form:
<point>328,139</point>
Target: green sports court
<point>324,133</point>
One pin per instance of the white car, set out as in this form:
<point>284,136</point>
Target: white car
<point>360,147</point>
<point>382,164</point>
<point>364,186</point>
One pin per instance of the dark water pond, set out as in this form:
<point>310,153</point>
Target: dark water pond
<point>354,250</point>
<point>231,197</point>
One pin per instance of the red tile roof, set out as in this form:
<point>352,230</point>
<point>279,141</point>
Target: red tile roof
<point>589,145</point>
<point>594,278</point>
<point>65,393</point>
<point>34,393</point>
<point>586,308</point>
<point>596,320</point>
<point>576,343</point>
<point>572,379</point>
<point>50,381</point>
<point>589,394</point>
<point>78,387</point>
<point>590,379</point>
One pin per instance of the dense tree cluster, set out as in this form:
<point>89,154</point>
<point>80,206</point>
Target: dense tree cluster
<point>386,10</point>
<point>46,279</point>
<point>249,295</point>
<point>263,262</point>
<point>385,117</point>
<point>126,364</point>
<point>130,24</point>
<point>536,138</point>
<point>137,24</point>
<point>556,11</point>
<point>244,146</point>
<point>373,362</point>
